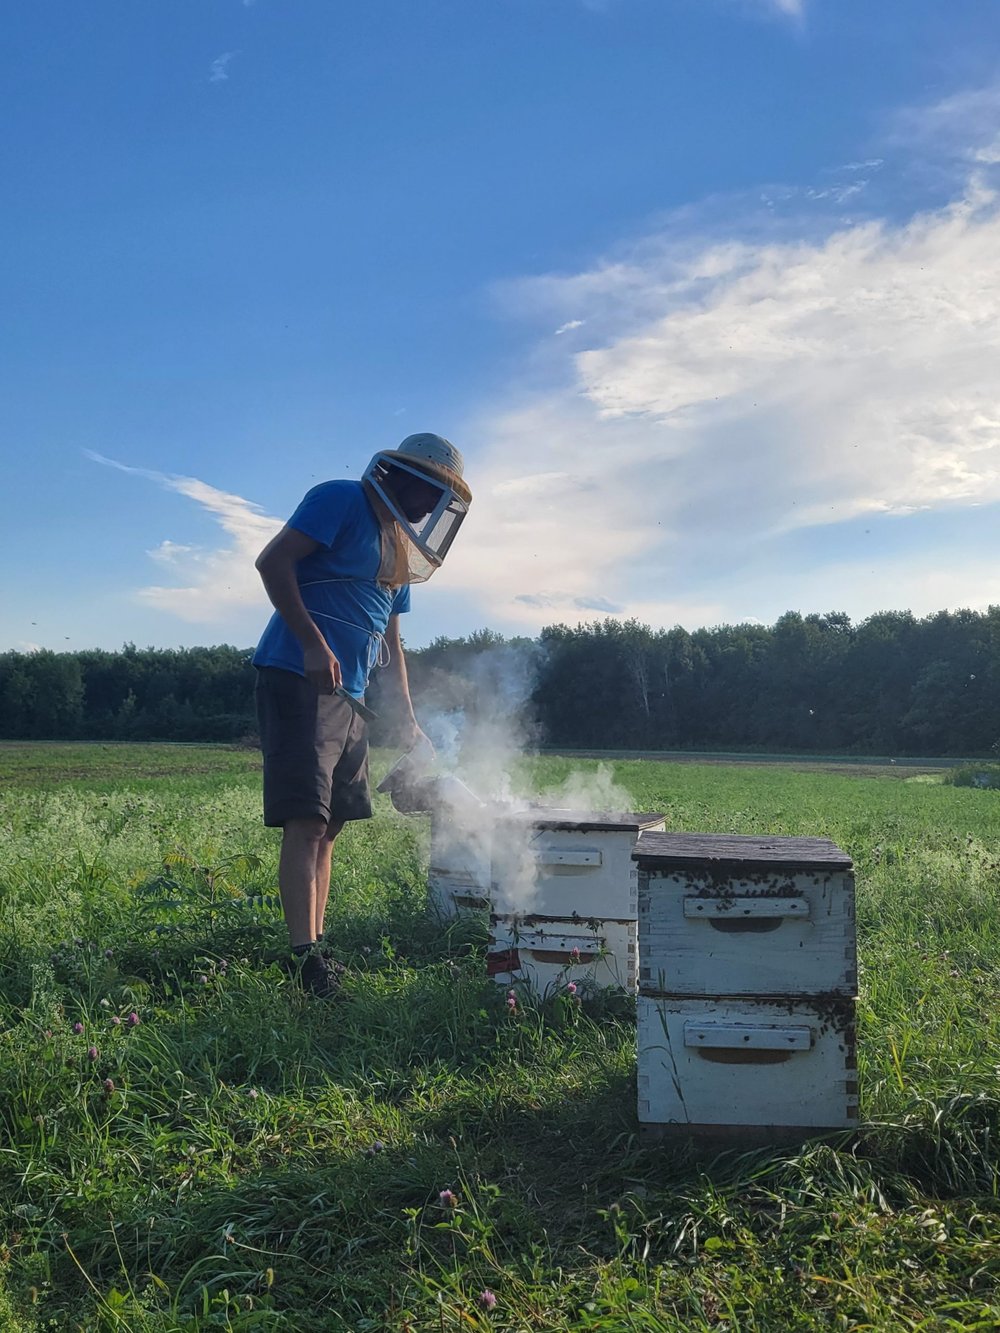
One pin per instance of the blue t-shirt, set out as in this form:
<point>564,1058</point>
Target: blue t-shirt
<point>338,587</point>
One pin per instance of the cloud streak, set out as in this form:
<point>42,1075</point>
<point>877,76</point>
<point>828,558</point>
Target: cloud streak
<point>210,583</point>
<point>219,69</point>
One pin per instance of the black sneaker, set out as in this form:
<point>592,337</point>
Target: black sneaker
<point>313,974</point>
<point>326,952</point>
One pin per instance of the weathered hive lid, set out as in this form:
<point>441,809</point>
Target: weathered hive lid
<point>584,821</point>
<point>737,851</point>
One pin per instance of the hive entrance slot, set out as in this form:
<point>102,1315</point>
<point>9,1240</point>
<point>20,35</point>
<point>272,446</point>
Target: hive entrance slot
<point>721,1056</point>
<point>759,925</point>
<point>562,956</point>
<point>470,901</point>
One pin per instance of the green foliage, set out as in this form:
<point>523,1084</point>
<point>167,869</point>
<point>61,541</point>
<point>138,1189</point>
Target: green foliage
<point>985,777</point>
<point>182,694</point>
<point>815,683</point>
<point>264,1161</point>
<point>808,684</point>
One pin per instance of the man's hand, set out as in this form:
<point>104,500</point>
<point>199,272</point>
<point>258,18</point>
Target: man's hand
<point>322,668</point>
<point>414,739</point>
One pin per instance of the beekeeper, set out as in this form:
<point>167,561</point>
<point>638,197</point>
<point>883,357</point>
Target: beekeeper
<point>339,575</point>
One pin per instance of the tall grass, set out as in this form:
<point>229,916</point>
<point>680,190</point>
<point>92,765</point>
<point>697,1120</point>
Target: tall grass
<point>420,1157</point>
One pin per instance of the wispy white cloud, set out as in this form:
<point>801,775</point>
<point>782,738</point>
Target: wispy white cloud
<point>736,393</point>
<point>219,69</point>
<point>743,391</point>
<point>794,10</point>
<point>569,326</point>
<point>211,582</point>
<point>170,553</point>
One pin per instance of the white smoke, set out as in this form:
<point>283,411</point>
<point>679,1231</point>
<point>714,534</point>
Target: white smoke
<point>590,790</point>
<point>483,742</point>
<point>484,739</point>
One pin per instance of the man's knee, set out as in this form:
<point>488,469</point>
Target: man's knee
<point>333,829</point>
<point>310,830</point>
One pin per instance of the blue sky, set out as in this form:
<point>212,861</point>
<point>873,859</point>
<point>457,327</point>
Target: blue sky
<point>707,292</point>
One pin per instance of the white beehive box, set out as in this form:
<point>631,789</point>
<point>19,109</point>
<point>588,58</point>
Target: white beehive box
<point>458,879</point>
<point>545,954</point>
<point>555,862</point>
<point>712,1065</point>
<point>563,863</point>
<point>733,915</point>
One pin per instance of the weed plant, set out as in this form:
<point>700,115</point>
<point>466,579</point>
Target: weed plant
<point>187,1142</point>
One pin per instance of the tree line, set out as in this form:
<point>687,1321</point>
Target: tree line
<point>892,684</point>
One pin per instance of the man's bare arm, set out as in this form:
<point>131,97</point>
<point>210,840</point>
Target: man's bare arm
<point>276,566</point>
<point>399,681</point>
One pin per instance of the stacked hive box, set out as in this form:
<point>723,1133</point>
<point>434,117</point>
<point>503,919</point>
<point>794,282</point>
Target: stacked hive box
<point>533,845</point>
<point>458,879</point>
<point>564,897</point>
<point>747,985</point>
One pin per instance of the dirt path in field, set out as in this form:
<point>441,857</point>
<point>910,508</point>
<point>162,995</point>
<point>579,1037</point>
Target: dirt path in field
<point>863,766</point>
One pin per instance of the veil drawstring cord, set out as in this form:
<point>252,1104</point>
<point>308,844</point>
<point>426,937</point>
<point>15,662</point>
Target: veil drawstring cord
<point>378,649</point>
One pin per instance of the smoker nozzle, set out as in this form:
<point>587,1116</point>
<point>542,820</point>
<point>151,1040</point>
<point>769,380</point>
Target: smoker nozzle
<point>422,795</point>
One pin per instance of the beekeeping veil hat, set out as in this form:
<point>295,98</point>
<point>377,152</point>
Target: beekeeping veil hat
<point>420,499</point>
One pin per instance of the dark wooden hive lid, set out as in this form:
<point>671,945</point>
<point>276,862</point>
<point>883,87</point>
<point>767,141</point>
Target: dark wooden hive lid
<point>737,851</point>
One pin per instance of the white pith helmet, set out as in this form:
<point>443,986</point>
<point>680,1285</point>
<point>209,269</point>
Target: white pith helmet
<point>430,458</point>
<point>436,455</point>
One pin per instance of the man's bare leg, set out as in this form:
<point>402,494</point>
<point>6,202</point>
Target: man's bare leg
<point>300,850</point>
<point>324,862</point>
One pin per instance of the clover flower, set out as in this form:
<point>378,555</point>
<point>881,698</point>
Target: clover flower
<point>109,1086</point>
<point>487,1299</point>
<point>571,988</point>
<point>133,1019</point>
<point>115,1021</point>
<point>92,1052</point>
<point>77,1028</point>
<point>447,1199</point>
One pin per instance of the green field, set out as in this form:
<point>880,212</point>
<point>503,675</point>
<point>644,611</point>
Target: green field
<point>245,1158</point>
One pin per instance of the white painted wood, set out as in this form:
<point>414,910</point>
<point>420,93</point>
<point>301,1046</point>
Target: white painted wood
<point>734,909</point>
<point>799,1069</point>
<point>545,954</point>
<point>577,869</point>
<point>550,859</point>
<point>746,1036</point>
<point>777,933</point>
<point>458,879</point>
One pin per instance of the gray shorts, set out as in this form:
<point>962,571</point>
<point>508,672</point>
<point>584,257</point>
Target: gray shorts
<point>315,751</point>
